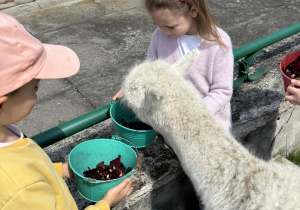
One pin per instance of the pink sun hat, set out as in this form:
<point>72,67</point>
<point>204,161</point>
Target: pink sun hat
<point>23,57</point>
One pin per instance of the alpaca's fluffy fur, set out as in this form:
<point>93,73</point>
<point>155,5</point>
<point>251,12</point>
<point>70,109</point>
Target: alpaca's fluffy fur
<point>222,171</point>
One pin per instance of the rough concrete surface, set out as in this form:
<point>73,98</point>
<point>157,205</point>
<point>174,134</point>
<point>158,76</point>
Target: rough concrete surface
<point>110,36</point>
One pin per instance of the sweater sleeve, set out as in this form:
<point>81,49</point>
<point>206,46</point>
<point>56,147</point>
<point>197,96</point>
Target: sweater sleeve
<point>59,168</point>
<point>100,205</point>
<point>152,53</point>
<point>41,196</point>
<point>37,196</point>
<point>222,84</point>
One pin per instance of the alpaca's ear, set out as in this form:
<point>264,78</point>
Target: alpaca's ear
<point>153,97</point>
<point>185,63</point>
<point>154,93</point>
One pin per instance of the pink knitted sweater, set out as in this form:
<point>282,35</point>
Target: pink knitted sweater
<point>212,73</point>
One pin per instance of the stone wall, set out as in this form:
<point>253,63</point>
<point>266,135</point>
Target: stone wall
<point>160,183</point>
<point>262,120</point>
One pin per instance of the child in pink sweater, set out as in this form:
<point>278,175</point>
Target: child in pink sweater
<point>184,25</point>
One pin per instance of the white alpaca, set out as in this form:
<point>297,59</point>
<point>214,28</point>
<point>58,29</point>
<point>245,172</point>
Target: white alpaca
<point>222,171</point>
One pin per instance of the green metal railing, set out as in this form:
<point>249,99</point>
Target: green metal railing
<point>249,51</point>
<point>71,127</point>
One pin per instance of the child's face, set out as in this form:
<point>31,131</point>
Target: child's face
<point>173,23</point>
<point>19,104</point>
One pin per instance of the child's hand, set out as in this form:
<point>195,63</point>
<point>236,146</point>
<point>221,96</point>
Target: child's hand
<point>67,172</point>
<point>118,193</point>
<point>118,95</point>
<point>295,97</point>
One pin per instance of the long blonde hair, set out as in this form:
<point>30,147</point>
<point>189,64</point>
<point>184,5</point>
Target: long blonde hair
<point>205,22</point>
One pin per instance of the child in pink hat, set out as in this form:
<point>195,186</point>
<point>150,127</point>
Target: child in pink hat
<point>28,178</point>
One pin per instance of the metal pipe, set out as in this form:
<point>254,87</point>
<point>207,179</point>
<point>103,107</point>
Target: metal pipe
<point>254,46</point>
<point>71,127</point>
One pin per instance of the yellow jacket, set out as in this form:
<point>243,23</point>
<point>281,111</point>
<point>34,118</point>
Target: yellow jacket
<point>29,180</point>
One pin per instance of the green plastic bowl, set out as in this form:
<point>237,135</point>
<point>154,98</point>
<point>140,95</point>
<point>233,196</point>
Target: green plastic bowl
<point>92,152</point>
<point>138,138</point>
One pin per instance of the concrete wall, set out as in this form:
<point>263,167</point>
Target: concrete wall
<point>262,120</point>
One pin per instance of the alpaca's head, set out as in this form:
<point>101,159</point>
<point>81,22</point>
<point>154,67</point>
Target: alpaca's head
<point>149,83</point>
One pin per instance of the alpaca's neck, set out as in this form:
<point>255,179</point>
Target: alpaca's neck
<point>203,147</point>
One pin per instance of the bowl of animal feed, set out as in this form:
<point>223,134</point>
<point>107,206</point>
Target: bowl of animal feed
<point>129,129</point>
<point>99,165</point>
<point>290,68</point>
